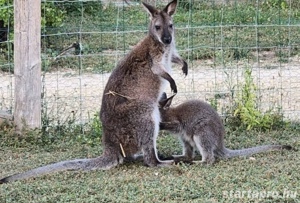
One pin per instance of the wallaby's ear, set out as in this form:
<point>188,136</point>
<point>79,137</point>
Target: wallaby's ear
<point>163,96</point>
<point>166,103</point>
<point>150,9</point>
<point>170,9</point>
<point>163,100</point>
<point>169,101</point>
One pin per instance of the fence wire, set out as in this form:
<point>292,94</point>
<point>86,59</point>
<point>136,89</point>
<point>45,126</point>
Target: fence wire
<point>84,40</point>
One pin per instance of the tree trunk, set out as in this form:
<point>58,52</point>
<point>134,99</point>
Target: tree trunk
<point>27,63</point>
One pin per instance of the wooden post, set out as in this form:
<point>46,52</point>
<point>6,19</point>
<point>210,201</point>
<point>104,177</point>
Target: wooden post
<point>27,63</point>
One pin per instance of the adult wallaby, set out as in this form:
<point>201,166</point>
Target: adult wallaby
<point>199,126</point>
<point>129,111</point>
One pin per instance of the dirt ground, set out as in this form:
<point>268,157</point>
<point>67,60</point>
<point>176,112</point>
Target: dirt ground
<point>72,96</point>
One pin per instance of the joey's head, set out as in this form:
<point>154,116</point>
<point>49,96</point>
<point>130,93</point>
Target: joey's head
<point>161,23</point>
<point>164,106</point>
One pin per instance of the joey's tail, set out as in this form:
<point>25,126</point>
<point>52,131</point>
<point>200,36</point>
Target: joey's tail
<point>101,162</point>
<point>228,153</point>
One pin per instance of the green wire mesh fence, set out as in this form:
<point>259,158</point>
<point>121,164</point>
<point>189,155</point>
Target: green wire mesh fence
<point>236,51</point>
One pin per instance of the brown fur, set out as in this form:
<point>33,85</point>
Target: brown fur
<point>129,111</point>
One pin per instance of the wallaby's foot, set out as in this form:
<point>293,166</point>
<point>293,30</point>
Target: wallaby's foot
<point>203,163</point>
<point>134,158</point>
<point>166,163</point>
<point>208,159</point>
<point>182,159</point>
<point>165,158</point>
<point>150,159</point>
<point>177,159</point>
<point>161,163</point>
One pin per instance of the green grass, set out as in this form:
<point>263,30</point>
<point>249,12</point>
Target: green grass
<point>271,171</point>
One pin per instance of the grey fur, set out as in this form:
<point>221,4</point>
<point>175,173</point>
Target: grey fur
<point>129,111</point>
<point>199,126</point>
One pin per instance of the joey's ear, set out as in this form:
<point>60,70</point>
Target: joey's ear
<point>170,9</point>
<point>163,96</point>
<point>169,102</point>
<point>150,9</point>
<point>166,103</point>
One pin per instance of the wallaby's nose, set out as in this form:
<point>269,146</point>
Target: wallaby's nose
<point>167,40</point>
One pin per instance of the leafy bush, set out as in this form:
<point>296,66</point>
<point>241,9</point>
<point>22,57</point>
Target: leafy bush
<point>246,109</point>
<point>89,7</point>
<point>51,16</point>
<point>6,14</point>
<point>281,4</point>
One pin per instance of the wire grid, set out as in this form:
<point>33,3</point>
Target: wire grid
<point>216,50</point>
<point>6,61</point>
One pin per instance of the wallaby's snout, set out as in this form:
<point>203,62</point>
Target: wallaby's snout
<point>167,38</point>
<point>166,32</point>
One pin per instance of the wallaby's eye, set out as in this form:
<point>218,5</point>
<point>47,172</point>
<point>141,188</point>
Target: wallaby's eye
<point>157,27</point>
<point>171,26</point>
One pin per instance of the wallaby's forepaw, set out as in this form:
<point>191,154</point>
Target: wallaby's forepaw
<point>167,76</point>
<point>173,87</point>
<point>185,68</point>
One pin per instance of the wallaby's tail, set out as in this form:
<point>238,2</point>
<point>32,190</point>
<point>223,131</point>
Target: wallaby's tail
<point>254,150</point>
<point>101,162</point>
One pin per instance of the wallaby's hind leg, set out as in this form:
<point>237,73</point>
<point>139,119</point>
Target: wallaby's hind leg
<point>206,149</point>
<point>188,150</point>
<point>187,153</point>
<point>150,154</point>
<point>150,133</point>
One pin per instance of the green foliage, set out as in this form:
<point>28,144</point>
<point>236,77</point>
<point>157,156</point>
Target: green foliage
<point>76,8</point>
<point>214,103</point>
<point>51,15</point>
<point>246,108</point>
<point>6,11</point>
<point>93,134</point>
<point>282,4</point>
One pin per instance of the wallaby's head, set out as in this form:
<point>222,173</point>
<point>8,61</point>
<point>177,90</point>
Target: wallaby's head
<point>161,23</point>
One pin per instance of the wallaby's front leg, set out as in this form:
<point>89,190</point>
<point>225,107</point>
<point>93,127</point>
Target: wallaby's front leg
<point>159,70</point>
<point>170,126</point>
<point>177,59</point>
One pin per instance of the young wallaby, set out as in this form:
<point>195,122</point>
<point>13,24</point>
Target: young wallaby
<point>199,126</point>
<point>129,111</point>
